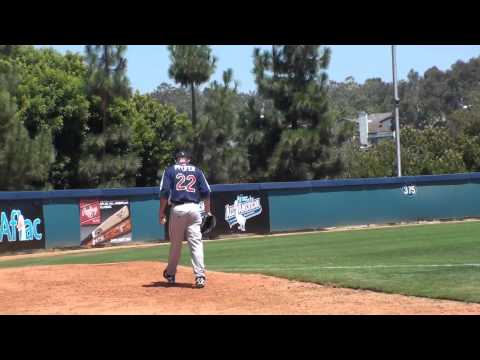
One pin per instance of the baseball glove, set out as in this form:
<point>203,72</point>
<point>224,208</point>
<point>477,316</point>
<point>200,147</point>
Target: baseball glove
<point>208,224</point>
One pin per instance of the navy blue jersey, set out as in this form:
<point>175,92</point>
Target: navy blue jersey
<point>184,183</point>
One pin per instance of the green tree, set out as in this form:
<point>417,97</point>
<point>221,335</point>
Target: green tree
<point>294,78</point>
<point>463,78</point>
<point>191,65</point>
<point>466,120</point>
<point>180,98</point>
<point>221,149</point>
<point>106,77</point>
<point>24,162</point>
<point>464,124</point>
<point>378,95</point>
<point>430,151</point>
<point>8,83</point>
<point>424,152</point>
<point>51,96</point>
<point>344,99</point>
<point>158,132</point>
<point>261,131</point>
<point>434,89</point>
<point>377,161</point>
<point>109,158</point>
<point>411,106</point>
<point>12,50</point>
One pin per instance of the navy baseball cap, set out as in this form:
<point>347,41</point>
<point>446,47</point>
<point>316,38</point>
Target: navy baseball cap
<point>182,154</point>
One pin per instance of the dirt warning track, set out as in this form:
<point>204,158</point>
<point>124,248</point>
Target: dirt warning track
<point>139,288</point>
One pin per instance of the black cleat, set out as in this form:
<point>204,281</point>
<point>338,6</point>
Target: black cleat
<point>200,282</point>
<point>170,278</point>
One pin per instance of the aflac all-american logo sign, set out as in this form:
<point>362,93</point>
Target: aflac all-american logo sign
<point>25,228</point>
<point>243,208</point>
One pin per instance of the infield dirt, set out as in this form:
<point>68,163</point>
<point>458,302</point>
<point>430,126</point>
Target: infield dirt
<point>139,288</point>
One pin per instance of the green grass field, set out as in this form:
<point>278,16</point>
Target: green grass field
<point>438,261</point>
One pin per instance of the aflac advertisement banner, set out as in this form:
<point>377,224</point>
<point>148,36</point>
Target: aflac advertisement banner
<point>242,209</point>
<point>245,212</point>
<point>21,226</point>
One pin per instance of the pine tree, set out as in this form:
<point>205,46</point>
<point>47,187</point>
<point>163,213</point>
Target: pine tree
<point>191,65</point>
<point>107,79</point>
<point>261,129</point>
<point>108,158</point>
<point>294,78</point>
<point>221,149</point>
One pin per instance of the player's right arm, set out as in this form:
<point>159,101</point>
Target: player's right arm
<point>165,189</point>
<point>162,217</point>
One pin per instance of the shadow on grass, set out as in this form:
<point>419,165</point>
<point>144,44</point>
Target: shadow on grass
<point>164,284</point>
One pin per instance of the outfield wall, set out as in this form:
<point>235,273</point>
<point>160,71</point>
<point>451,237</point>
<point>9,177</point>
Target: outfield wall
<point>374,201</point>
<point>269,207</point>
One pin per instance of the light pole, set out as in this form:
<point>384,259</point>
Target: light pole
<point>397,104</point>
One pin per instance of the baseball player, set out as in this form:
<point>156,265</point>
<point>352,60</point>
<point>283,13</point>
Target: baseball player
<point>183,186</point>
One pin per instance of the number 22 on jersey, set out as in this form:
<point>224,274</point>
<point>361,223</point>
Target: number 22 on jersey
<point>182,179</point>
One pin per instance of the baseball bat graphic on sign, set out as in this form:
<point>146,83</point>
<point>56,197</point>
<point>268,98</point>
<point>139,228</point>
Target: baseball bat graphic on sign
<point>110,222</point>
<point>123,228</point>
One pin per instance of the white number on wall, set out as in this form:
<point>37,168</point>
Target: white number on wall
<point>409,190</point>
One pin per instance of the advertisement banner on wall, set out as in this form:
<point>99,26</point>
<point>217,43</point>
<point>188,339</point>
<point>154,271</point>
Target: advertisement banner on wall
<point>104,222</point>
<point>241,212</point>
<point>22,226</point>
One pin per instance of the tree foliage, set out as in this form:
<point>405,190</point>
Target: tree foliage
<point>51,97</point>
<point>179,98</point>
<point>411,104</point>
<point>261,129</point>
<point>71,120</point>
<point>108,156</point>
<point>158,132</point>
<point>191,65</point>
<point>222,151</point>
<point>443,107</point>
<point>294,78</point>
<point>8,51</point>
<point>109,159</point>
<point>430,151</point>
<point>106,78</point>
<point>24,161</point>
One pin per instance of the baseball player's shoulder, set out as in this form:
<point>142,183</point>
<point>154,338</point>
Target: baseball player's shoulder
<point>168,170</point>
<point>200,171</point>
<point>197,168</point>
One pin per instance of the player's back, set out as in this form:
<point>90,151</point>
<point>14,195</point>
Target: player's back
<point>187,183</point>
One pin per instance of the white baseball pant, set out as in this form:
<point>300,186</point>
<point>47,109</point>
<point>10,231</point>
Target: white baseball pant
<point>184,224</point>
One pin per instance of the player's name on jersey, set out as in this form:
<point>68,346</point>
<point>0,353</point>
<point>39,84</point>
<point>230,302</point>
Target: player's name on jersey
<point>185,167</point>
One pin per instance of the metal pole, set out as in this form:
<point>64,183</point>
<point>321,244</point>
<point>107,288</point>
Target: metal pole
<point>397,104</point>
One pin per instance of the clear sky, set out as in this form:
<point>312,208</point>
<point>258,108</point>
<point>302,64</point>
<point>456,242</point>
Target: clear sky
<point>148,64</point>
